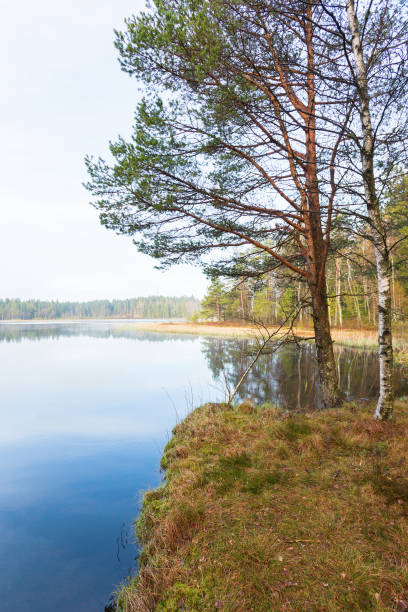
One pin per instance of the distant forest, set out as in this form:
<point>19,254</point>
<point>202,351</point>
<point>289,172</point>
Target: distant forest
<point>153,307</point>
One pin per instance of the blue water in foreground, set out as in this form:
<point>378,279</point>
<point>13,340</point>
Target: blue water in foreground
<point>85,412</point>
<point>86,409</point>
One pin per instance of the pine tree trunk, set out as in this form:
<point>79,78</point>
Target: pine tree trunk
<point>317,258</point>
<point>331,395</point>
<point>384,408</point>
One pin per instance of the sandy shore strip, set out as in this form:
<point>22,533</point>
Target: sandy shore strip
<point>201,329</point>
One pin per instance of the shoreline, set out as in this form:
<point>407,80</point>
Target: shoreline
<point>87,319</point>
<point>353,338</point>
<point>359,338</point>
<point>263,511</point>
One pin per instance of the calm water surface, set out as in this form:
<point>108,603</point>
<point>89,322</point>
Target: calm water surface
<point>86,410</point>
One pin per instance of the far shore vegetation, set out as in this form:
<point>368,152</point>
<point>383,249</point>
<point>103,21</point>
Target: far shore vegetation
<point>152,307</point>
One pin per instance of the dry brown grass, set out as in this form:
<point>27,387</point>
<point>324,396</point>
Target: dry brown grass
<point>355,338</point>
<point>263,513</point>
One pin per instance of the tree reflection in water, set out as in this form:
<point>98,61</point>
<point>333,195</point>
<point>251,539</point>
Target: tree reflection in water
<point>19,332</point>
<point>288,377</point>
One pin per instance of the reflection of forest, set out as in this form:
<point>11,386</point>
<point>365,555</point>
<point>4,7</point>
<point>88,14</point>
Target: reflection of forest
<point>288,377</point>
<point>18,332</point>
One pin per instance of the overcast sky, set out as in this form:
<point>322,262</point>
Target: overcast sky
<point>64,96</point>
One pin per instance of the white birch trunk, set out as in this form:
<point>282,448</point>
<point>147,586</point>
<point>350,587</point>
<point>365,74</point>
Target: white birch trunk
<point>339,310</point>
<point>353,293</point>
<point>328,303</point>
<point>384,408</point>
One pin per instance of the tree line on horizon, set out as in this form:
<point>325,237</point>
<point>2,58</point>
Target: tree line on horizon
<point>152,307</point>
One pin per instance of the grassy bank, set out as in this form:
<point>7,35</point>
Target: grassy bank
<point>261,512</point>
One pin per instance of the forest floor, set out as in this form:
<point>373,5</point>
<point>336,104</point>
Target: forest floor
<point>264,512</point>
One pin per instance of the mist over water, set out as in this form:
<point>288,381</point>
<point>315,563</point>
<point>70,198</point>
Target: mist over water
<point>86,410</point>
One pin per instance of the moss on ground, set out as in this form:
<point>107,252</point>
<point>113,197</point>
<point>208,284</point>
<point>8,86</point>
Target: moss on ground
<point>263,512</point>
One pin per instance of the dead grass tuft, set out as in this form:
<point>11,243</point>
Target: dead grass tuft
<point>247,407</point>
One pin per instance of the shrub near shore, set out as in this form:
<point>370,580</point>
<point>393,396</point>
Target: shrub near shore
<point>265,512</point>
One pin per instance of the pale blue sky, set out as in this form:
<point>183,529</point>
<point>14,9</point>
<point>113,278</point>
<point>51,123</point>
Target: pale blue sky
<point>64,96</point>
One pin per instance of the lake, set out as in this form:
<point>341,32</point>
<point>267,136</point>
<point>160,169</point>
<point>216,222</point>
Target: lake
<point>86,410</point>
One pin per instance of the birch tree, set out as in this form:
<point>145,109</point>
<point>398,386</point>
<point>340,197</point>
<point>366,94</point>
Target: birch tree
<point>374,43</point>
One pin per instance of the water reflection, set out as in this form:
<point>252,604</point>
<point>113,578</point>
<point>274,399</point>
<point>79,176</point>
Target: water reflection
<point>18,332</point>
<point>85,410</point>
<point>63,505</point>
<point>289,378</point>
